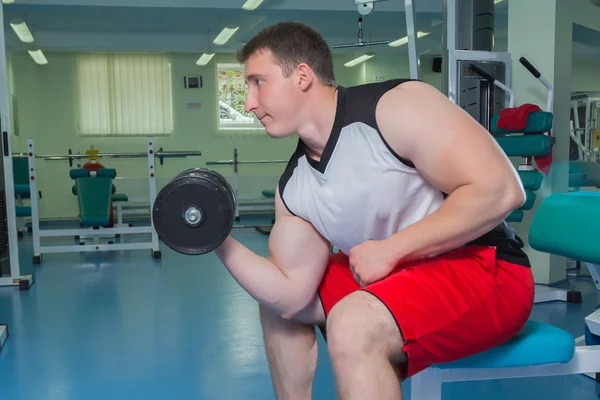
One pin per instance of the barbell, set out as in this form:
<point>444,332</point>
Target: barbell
<point>193,214</point>
<point>161,154</point>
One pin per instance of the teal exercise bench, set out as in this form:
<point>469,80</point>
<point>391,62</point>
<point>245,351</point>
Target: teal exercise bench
<point>584,174</point>
<point>22,192</point>
<point>94,191</point>
<point>539,349</point>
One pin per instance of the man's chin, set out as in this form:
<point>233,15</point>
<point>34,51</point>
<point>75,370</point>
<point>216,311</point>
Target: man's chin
<point>275,133</point>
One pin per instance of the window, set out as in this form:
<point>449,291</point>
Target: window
<point>232,98</point>
<point>124,94</point>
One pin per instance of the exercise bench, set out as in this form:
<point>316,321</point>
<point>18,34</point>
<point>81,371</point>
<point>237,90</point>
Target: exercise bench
<point>540,349</point>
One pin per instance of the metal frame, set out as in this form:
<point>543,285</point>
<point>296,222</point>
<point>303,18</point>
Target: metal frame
<point>3,335</point>
<point>15,279</point>
<point>95,234</point>
<point>468,55</point>
<point>544,294</point>
<point>258,203</point>
<point>591,102</point>
<point>594,270</point>
<point>413,59</point>
<point>427,385</point>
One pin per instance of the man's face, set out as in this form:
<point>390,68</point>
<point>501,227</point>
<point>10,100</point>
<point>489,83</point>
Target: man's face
<point>272,97</point>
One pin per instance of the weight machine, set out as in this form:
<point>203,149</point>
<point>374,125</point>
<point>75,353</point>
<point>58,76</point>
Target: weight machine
<point>10,269</point>
<point>252,203</point>
<point>584,167</point>
<point>96,232</point>
<point>585,125</point>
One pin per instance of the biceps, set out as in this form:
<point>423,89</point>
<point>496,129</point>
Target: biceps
<point>300,252</point>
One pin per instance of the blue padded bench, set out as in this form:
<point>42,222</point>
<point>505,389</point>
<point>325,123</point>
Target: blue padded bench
<point>584,174</point>
<point>561,225</point>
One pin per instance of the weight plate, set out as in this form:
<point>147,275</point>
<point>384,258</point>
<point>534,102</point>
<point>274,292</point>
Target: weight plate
<point>202,191</point>
<point>213,174</point>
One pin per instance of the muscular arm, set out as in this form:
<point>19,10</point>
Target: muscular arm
<point>288,280</point>
<point>457,156</point>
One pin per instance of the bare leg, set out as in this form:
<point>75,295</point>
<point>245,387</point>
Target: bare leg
<point>365,346</point>
<point>291,348</point>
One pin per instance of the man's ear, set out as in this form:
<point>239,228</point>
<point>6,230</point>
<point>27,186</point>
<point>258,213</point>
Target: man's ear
<point>305,76</point>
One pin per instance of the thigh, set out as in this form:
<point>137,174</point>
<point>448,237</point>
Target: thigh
<point>455,305</point>
<point>337,283</point>
<point>313,314</point>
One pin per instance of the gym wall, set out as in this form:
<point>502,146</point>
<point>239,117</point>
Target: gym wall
<point>586,76</point>
<point>46,112</point>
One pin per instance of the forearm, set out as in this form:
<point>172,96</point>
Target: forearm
<point>465,215</point>
<point>260,277</point>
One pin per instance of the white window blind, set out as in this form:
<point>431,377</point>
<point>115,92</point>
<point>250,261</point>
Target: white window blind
<point>232,99</point>
<point>124,94</point>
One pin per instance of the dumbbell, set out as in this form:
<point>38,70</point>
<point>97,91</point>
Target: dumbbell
<point>194,213</point>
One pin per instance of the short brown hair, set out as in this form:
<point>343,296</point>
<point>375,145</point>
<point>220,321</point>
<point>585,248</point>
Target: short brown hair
<point>293,43</point>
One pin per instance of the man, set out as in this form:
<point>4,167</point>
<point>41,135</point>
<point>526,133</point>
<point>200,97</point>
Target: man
<point>413,192</point>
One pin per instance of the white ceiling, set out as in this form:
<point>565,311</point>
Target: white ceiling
<point>191,25</point>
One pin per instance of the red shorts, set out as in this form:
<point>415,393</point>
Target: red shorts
<point>447,307</point>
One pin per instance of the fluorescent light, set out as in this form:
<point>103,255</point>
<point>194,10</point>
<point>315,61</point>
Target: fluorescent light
<point>225,35</point>
<point>404,40</point>
<point>22,31</point>
<point>498,1</point>
<point>38,57</point>
<point>252,4</point>
<point>205,59</point>
<point>358,60</point>
<point>8,1</point>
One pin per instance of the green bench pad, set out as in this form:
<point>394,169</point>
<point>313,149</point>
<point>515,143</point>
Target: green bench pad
<point>532,179</point>
<point>590,171</point>
<point>525,145</point>
<point>120,197</point>
<point>515,216</point>
<point>85,173</point>
<point>537,122</point>
<point>94,195</point>
<point>268,193</point>
<point>529,200</point>
<point>22,190</point>
<point>23,211</point>
<point>564,225</point>
<point>577,180</point>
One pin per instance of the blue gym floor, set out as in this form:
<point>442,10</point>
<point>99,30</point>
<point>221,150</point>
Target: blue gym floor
<point>124,326</point>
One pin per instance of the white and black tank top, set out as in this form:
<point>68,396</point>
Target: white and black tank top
<point>361,189</point>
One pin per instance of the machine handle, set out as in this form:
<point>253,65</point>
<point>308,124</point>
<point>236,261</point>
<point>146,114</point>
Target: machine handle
<point>530,67</point>
<point>5,140</point>
<point>481,72</point>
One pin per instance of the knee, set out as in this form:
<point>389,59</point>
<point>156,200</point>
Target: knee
<point>351,334</point>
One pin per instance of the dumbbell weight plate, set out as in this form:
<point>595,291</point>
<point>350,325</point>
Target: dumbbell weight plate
<point>193,214</point>
<point>215,175</point>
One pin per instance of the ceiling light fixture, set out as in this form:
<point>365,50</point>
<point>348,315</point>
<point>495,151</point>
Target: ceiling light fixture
<point>250,5</point>
<point>225,35</point>
<point>38,57</point>
<point>404,40</point>
<point>358,60</point>
<point>205,59</point>
<point>22,31</point>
